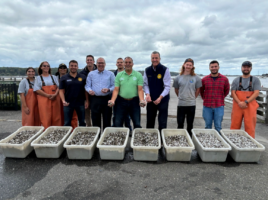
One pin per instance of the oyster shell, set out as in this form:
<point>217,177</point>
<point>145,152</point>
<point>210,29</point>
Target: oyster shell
<point>241,141</point>
<point>145,139</point>
<point>53,137</point>
<point>118,138</point>
<point>209,140</point>
<point>83,138</point>
<point>22,136</point>
<point>177,141</point>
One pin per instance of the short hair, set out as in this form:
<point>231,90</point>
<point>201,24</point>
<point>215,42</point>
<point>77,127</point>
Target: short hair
<point>73,61</point>
<point>101,58</point>
<point>120,59</point>
<point>40,71</point>
<point>214,61</point>
<point>128,58</point>
<point>30,68</point>
<point>90,56</point>
<point>156,52</point>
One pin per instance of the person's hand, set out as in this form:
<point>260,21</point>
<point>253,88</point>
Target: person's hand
<point>65,103</point>
<point>142,103</point>
<point>49,96</point>
<point>148,98</point>
<point>157,101</point>
<point>26,110</point>
<point>105,90</point>
<point>53,96</point>
<point>86,104</point>
<point>91,92</point>
<point>110,103</point>
<point>242,104</point>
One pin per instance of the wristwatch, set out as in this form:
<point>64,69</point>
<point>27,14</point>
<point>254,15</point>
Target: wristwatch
<point>246,101</point>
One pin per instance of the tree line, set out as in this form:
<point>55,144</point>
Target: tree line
<point>18,71</point>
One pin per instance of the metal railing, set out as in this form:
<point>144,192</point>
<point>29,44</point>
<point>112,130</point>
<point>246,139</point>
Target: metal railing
<point>9,97</point>
<point>262,112</point>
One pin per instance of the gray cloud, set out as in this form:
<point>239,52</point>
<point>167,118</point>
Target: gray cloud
<point>58,31</point>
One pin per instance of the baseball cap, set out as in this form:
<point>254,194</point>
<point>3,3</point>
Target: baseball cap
<point>189,60</point>
<point>247,63</point>
<point>62,65</point>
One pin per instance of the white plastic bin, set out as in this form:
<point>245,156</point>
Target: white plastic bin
<point>50,150</point>
<point>112,152</point>
<point>19,150</point>
<point>210,154</point>
<point>177,153</point>
<point>82,151</point>
<point>145,153</point>
<point>243,154</point>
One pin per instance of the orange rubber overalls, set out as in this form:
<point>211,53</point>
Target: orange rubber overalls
<point>32,119</point>
<point>249,114</point>
<point>49,110</point>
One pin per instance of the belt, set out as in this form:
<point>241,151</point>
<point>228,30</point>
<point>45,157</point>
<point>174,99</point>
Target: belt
<point>127,99</point>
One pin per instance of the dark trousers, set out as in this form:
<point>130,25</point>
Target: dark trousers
<point>68,114</point>
<point>127,118</point>
<point>162,115</point>
<point>127,107</point>
<point>99,108</point>
<point>189,113</point>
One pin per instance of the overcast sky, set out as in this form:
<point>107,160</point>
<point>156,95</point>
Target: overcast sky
<point>58,31</point>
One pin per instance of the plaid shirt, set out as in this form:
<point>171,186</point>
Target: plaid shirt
<point>214,92</point>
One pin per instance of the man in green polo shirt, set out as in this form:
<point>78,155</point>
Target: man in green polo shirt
<point>128,93</point>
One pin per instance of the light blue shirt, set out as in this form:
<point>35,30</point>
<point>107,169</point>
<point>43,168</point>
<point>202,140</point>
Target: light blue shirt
<point>96,81</point>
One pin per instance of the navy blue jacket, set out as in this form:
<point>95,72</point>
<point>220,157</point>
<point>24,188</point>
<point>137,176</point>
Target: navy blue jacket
<point>155,81</point>
<point>85,70</point>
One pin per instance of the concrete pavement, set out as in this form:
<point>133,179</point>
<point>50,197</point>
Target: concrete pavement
<point>33,178</point>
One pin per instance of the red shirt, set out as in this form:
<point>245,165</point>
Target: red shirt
<point>214,92</point>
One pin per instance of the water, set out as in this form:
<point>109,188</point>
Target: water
<point>264,81</point>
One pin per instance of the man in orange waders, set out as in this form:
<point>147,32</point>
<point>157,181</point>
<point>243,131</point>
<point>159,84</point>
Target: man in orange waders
<point>245,90</point>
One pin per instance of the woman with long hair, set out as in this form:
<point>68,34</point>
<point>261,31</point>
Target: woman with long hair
<point>187,87</point>
<point>63,70</point>
<point>47,88</point>
<point>29,104</point>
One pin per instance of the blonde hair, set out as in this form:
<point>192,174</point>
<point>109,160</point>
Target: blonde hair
<point>183,69</point>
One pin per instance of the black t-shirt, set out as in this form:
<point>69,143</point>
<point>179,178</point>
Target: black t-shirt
<point>74,89</point>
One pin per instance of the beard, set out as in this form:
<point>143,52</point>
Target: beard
<point>246,73</point>
<point>214,72</point>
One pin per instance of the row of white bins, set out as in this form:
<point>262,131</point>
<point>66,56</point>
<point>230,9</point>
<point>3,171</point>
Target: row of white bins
<point>140,153</point>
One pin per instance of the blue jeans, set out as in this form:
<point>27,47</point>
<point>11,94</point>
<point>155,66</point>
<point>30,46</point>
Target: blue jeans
<point>125,107</point>
<point>216,114</point>
<point>68,115</point>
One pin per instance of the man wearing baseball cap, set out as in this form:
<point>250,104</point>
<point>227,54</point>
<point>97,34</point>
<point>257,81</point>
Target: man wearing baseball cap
<point>187,87</point>
<point>245,90</point>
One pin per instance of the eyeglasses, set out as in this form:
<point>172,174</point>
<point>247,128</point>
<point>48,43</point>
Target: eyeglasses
<point>62,68</point>
<point>45,65</point>
<point>101,63</point>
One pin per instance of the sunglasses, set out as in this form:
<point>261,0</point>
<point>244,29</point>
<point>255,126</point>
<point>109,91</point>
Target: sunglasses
<point>45,66</point>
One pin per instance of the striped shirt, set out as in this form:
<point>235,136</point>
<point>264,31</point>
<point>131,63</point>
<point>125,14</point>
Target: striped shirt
<point>213,91</point>
<point>96,81</point>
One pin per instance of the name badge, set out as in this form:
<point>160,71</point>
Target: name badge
<point>69,80</point>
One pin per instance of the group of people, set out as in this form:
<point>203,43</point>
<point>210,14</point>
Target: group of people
<point>96,96</point>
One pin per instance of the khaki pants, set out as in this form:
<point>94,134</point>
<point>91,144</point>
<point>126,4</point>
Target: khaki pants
<point>88,115</point>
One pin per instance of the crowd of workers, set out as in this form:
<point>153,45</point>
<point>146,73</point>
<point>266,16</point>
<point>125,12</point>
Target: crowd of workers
<point>96,96</point>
